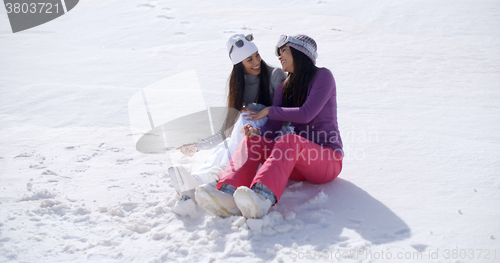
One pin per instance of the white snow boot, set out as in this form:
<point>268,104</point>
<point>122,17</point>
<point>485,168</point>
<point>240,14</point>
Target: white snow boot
<point>216,202</point>
<point>250,203</point>
<point>184,183</point>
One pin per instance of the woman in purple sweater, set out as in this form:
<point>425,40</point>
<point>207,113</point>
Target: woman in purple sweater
<point>313,152</point>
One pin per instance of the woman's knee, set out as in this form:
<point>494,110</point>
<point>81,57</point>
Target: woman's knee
<point>290,139</point>
<point>254,140</point>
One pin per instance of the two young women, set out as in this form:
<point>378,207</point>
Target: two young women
<point>307,99</point>
<point>252,85</point>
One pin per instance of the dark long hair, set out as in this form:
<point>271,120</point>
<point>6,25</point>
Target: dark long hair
<point>237,87</point>
<point>237,90</point>
<point>297,83</point>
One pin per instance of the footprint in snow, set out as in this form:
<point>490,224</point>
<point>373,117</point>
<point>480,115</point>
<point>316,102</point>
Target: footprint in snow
<point>123,161</point>
<point>155,163</point>
<point>114,186</point>
<point>83,158</point>
<point>146,6</point>
<point>80,170</point>
<point>179,33</point>
<point>166,10</point>
<point>185,24</point>
<point>114,149</point>
<point>49,172</point>
<point>24,155</point>
<point>5,239</point>
<point>164,17</point>
<point>107,148</point>
<point>38,166</point>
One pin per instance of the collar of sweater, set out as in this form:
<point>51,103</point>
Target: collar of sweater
<point>251,79</point>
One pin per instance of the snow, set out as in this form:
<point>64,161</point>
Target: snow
<point>418,101</point>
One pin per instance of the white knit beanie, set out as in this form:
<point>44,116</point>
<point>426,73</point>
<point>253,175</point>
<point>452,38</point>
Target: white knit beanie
<point>238,54</point>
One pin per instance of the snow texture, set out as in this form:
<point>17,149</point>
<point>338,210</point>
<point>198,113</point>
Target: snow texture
<point>418,103</point>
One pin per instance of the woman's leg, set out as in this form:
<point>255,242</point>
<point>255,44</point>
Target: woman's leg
<point>243,166</point>
<point>294,157</point>
<point>225,150</point>
<point>204,174</point>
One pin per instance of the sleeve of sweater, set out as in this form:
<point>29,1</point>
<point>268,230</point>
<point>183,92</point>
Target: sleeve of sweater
<point>222,134</point>
<point>321,90</point>
<point>210,142</point>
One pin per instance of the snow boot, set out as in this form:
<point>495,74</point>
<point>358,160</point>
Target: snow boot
<point>184,183</point>
<point>250,203</point>
<point>216,202</point>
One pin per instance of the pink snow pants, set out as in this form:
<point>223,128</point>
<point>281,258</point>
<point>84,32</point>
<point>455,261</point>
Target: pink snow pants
<point>290,157</point>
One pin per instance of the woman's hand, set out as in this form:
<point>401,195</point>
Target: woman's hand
<point>253,116</point>
<point>250,131</point>
<point>188,149</point>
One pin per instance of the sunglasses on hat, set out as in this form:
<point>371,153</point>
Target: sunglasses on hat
<point>241,43</point>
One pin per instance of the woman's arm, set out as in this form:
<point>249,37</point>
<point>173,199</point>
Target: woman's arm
<point>205,144</point>
<point>210,142</point>
<point>214,140</point>
<point>321,90</point>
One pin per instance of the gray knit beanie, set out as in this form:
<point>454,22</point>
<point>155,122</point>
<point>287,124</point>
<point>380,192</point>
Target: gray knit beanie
<point>302,43</point>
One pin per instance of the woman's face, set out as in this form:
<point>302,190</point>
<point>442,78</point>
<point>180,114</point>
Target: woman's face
<point>251,65</point>
<point>286,59</point>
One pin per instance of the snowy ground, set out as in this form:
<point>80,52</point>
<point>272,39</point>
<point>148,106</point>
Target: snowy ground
<point>418,86</point>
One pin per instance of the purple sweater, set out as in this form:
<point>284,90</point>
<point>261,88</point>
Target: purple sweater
<point>316,120</point>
